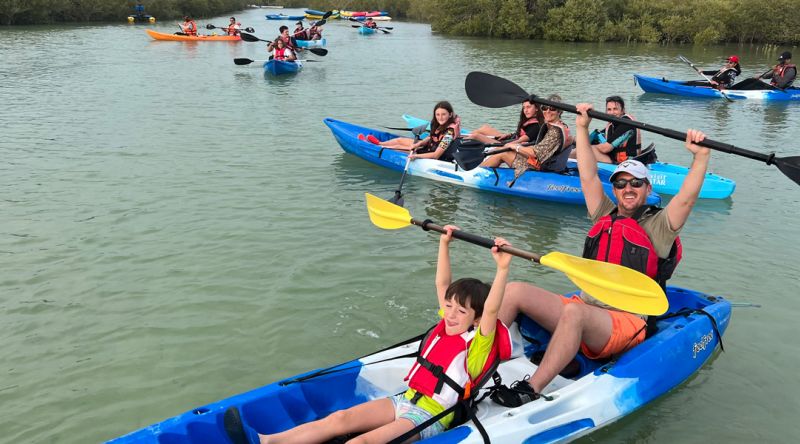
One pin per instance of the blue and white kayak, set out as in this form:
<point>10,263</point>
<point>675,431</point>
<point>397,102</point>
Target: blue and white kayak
<point>363,30</point>
<point>680,88</point>
<point>564,187</point>
<point>311,43</point>
<point>279,67</point>
<point>284,17</point>
<point>666,178</point>
<point>598,395</point>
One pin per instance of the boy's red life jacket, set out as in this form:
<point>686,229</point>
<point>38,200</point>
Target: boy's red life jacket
<point>441,368</point>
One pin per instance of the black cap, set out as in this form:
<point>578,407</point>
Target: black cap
<point>299,22</point>
<point>785,56</point>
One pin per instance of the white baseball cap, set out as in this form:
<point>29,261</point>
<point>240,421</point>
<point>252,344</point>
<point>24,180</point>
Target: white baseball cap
<point>634,168</point>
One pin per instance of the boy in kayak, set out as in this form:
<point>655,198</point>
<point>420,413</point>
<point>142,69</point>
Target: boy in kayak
<point>616,142</point>
<point>464,345</point>
<point>288,40</point>
<point>233,27</point>
<point>188,27</point>
<point>582,323</point>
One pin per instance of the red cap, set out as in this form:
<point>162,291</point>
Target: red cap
<point>733,59</point>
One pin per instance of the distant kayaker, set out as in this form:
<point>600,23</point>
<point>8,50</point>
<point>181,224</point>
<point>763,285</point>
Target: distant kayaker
<point>463,345</point>
<point>281,52</point>
<point>556,139</point>
<point>314,32</point>
<point>369,23</point>
<point>528,126</point>
<point>616,142</point>
<point>782,74</point>
<point>233,27</point>
<point>445,128</point>
<point>582,323</point>
<point>189,26</point>
<point>299,31</point>
<point>726,76</point>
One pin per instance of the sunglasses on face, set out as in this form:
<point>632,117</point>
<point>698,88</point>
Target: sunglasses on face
<point>548,108</point>
<point>635,183</point>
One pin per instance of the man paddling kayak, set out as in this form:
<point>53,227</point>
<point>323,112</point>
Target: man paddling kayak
<point>782,74</point>
<point>582,322</point>
<point>287,39</point>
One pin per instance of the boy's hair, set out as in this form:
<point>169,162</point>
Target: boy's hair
<point>469,290</point>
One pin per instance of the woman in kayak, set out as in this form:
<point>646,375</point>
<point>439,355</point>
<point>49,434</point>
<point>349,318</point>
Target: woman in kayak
<point>281,52</point>
<point>726,76</point>
<point>189,26</point>
<point>445,128</point>
<point>530,122</point>
<point>466,342</point>
<point>522,158</point>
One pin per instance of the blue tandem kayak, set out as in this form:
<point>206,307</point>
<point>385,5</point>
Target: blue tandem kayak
<point>366,31</point>
<point>666,178</point>
<point>311,43</point>
<point>597,395</point>
<point>284,17</point>
<point>562,187</point>
<point>279,67</point>
<point>680,88</point>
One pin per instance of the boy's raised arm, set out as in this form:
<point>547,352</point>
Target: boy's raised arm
<point>492,305</point>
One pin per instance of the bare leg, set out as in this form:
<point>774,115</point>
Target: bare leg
<point>385,433</point>
<point>498,159</point>
<point>363,417</point>
<point>482,138</point>
<point>485,130</point>
<point>543,306</point>
<point>398,143</point>
<point>578,322</point>
<point>601,157</point>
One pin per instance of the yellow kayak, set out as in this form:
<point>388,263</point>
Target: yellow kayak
<point>192,38</point>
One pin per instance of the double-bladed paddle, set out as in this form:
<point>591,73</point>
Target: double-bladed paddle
<point>496,92</point>
<point>618,286</point>
<point>397,199</point>
<point>383,29</point>
<point>688,62</point>
<point>244,61</point>
<point>225,28</point>
<point>251,38</point>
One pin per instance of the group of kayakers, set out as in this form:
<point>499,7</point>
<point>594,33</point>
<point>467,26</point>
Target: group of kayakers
<point>284,47</point>
<point>781,76</point>
<point>189,27</point>
<point>460,350</point>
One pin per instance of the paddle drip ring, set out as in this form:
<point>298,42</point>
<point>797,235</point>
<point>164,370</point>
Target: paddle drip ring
<point>770,157</point>
<point>425,223</point>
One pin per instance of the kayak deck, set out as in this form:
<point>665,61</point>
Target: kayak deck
<point>601,393</point>
<point>189,38</point>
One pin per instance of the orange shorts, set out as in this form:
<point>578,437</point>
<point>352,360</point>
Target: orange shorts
<point>624,326</point>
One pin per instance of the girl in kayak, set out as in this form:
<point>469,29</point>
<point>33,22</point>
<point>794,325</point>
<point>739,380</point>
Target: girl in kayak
<point>445,128</point>
<point>281,51</point>
<point>530,122</point>
<point>555,140</point>
<point>465,343</point>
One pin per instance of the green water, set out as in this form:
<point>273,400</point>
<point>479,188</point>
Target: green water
<point>176,229</point>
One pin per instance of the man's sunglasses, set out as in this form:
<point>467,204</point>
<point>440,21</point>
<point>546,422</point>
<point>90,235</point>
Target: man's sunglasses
<point>548,108</point>
<point>635,183</point>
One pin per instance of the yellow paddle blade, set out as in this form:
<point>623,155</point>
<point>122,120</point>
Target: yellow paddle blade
<point>387,215</point>
<point>615,285</point>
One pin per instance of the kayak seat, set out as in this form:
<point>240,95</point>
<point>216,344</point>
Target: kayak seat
<point>558,162</point>
<point>647,155</point>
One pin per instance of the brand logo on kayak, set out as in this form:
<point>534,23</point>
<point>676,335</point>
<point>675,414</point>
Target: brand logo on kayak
<point>563,188</point>
<point>702,344</point>
<point>658,179</point>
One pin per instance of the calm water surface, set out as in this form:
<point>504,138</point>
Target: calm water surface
<point>175,229</point>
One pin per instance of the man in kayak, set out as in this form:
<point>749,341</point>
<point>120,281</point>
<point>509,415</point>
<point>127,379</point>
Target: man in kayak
<point>233,27</point>
<point>725,77</point>
<point>782,74</point>
<point>616,142</point>
<point>188,27</point>
<point>457,354</point>
<point>288,40</point>
<point>299,31</point>
<point>314,32</point>
<point>582,323</point>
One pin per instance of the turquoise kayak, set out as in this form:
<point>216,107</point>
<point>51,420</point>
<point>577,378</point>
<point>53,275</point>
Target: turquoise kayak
<point>284,17</point>
<point>666,178</point>
<point>280,67</point>
<point>311,43</point>
<point>366,31</point>
<point>597,394</point>
<point>563,187</point>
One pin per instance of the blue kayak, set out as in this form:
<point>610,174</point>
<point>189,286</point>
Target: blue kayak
<point>666,178</point>
<point>279,67</point>
<point>598,394</point>
<point>562,187</point>
<point>366,31</point>
<point>681,88</point>
<point>284,17</point>
<point>311,43</point>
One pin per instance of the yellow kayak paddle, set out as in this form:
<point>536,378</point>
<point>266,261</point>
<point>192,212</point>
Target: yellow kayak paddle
<point>620,287</point>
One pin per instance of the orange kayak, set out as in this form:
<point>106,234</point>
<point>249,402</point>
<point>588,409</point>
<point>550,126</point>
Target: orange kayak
<point>192,38</point>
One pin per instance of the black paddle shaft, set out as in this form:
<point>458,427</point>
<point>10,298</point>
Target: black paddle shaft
<point>484,242</point>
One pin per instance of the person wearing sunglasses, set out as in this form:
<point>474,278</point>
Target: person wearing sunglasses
<point>555,140</point>
<point>726,76</point>
<point>616,142</point>
<point>582,323</point>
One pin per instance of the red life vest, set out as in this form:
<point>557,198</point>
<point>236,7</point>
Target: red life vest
<point>282,53</point>
<point>621,240</point>
<point>626,150</point>
<point>534,162</point>
<point>191,28</point>
<point>234,29</point>
<point>441,368</point>
<point>779,70</point>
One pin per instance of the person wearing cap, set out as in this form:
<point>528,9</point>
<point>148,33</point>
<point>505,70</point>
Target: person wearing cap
<point>581,322</point>
<point>299,31</point>
<point>782,74</point>
<point>725,77</point>
<point>189,26</point>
